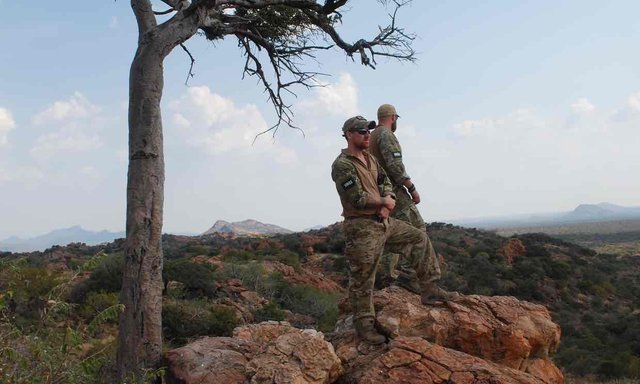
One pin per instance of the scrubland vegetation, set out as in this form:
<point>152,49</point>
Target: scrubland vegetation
<point>59,308</point>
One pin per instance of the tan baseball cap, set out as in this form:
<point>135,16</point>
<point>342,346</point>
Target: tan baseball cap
<point>357,123</point>
<point>387,110</point>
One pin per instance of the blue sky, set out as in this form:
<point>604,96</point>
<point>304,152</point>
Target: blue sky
<point>512,107</point>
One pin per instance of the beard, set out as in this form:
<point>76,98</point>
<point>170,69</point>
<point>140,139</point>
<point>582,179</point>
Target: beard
<point>361,145</point>
<point>394,126</point>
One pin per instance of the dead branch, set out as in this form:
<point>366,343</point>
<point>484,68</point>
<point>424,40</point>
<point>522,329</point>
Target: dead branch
<point>190,73</point>
<point>284,33</point>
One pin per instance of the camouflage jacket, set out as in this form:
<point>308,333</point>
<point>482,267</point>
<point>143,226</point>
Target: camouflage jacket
<point>356,182</point>
<point>386,148</point>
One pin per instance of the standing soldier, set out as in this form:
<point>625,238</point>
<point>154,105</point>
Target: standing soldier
<point>420,269</point>
<point>367,200</point>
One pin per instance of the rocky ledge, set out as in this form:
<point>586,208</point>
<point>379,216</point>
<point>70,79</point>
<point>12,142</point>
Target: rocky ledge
<point>476,339</point>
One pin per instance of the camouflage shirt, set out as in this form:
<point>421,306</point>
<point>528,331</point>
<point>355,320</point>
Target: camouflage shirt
<point>386,148</point>
<point>356,182</point>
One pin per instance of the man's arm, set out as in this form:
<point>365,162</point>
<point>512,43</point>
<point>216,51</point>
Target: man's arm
<point>392,156</point>
<point>350,189</point>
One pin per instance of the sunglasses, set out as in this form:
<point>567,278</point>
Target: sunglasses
<point>363,131</point>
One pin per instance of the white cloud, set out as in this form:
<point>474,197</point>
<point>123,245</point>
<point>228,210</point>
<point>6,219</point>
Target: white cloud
<point>337,99</point>
<point>74,123</point>
<point>113,24</point>
<point>6,124</point>
<point>633,102</point>
<point>64,141</point>
<point>582,105</point>
<point>90,172</point>
<point>27,175</point>
<point>215,124</point>
<point>525,161</point>
<point>77,107</point>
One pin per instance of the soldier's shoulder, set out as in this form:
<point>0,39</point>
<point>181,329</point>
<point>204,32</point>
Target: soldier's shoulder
<point>342,162</point>
<point>387,135</point>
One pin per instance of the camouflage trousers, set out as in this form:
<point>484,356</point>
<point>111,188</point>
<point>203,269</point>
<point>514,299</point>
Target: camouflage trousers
<point>416,262</point>
<point>365,240</point>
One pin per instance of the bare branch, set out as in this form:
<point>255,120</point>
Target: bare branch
<point>190,73</point>
<point>284,35</point>
<point>168,11</point>
<point>178,5</point>
<point>391,40</point>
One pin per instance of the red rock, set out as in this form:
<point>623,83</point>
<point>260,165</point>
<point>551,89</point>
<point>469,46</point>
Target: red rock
<point>269,352</point>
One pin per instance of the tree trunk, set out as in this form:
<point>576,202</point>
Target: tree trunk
<point>140,327</point>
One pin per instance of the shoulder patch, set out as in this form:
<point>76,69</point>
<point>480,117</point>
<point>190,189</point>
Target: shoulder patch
<point>350,182</point>
<point>397,155</point>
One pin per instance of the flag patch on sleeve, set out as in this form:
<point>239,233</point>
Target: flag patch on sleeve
<point>348,184</point>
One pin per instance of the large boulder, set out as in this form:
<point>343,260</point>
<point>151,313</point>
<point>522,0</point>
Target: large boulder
<point>472,340</point>
<point>269,352</point>
<point>413,360</point>
<point>503,330</point>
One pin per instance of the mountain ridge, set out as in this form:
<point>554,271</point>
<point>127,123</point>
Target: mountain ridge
<point>583,213</point>
<point>62,236</point>
<point>245,228</point>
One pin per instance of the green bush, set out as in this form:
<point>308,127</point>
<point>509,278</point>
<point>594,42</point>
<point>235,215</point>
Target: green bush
<point>270,311</point>
<point>97,302</point>
<point>197,279</point>
<point>286,257</point>
<point>106,277</point>
<point>238,257</point>
<point>182,320</point>
<point>307,300</point>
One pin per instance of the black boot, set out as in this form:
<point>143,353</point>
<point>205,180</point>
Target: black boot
<point>433,294</point>
<point>366,330</point>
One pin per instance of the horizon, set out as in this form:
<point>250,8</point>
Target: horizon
<point>510,108</point>
<point>460,221</point>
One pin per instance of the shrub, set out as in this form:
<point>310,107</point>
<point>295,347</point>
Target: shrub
<point>238,257</point>
<point>286,257</point>
<point>197,279</point>
<point>106,277</point>
<point>307,300</point>
<point>182,320</point>
<point>270,311</point>
<point>96,302</point>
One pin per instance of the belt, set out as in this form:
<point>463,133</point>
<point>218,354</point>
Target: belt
<point>368,217</point>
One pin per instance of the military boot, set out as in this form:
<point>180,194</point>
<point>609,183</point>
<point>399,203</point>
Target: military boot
<point>433,294</point>
<point>409,281</point>
<point>366,330</point>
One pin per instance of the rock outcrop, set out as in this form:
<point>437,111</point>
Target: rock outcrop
<point>245,227</point>
<point>496,332</point>
<point>476,339</point>
<point>269,352</point>
<point>413,360</point>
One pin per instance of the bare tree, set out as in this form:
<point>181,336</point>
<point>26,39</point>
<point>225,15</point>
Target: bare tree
<point>276,37</point>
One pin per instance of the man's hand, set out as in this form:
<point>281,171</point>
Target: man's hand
<point>415,196</point>
<point>389,203</point>
<point>384,213</point>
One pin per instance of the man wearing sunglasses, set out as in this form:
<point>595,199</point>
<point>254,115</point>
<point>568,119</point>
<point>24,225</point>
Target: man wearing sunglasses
<point>367,200</point>
<point>419,267</point>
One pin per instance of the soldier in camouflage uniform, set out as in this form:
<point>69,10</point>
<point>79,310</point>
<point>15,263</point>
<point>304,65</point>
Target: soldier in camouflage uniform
<point>367,201</point>
<point>419,268</point>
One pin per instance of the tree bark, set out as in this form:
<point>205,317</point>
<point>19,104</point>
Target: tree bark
<point>140,326</point>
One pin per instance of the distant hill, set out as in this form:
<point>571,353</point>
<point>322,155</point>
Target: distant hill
<point>75,234</point>
<point>246,227</point>
<point>583,213</point>
<point>602,212</point>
